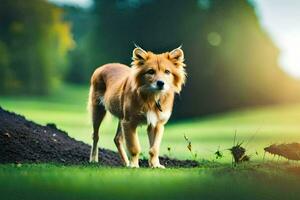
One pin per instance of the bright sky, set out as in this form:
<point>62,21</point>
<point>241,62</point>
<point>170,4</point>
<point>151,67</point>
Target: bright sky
<point>279,18</point>
<point>81,3</point>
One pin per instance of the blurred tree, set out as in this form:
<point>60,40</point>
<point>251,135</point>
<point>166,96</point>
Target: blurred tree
<point>34,41</point>
<point>231,61</point>
<point>82,26</point>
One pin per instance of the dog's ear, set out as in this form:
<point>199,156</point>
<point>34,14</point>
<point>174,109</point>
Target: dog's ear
<point>139,55</point>
<point>177,56</point>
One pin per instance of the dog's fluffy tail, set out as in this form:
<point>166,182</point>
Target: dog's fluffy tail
<point>97,90</point>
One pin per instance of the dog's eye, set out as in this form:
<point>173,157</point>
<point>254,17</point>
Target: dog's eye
<point>151,71</point>
<point>167,72</point>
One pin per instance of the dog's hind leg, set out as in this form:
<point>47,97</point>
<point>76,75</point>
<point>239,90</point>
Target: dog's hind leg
<point>98,113</point>
<point>119,141</point>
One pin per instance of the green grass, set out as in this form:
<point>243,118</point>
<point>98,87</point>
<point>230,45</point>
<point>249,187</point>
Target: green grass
<point>81,182</point>
<point>257,127</point>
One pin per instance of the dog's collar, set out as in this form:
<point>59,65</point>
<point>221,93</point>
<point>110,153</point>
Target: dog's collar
<point>157,103</point>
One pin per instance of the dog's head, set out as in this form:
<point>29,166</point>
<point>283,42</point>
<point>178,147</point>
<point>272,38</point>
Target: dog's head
<point>158,73</point>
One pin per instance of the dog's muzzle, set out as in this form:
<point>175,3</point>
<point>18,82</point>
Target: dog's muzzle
<point>160,84</point>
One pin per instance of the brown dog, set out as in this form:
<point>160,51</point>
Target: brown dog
<point>143,93</point>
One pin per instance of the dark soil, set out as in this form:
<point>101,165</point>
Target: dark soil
<point>289,151</point>
<point>23,141</point>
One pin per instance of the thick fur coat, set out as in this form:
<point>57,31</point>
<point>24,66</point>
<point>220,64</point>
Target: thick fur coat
<point>143,93</point>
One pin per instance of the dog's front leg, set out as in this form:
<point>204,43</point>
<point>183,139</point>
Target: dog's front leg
<point>132,142</point>
<point>155,135</point>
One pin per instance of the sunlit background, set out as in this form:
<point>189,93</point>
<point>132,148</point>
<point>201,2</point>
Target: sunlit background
<point>280,20</point>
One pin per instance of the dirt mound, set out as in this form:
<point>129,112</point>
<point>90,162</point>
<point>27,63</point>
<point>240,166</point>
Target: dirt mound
<point>289,151</point>
<point>24,141</point>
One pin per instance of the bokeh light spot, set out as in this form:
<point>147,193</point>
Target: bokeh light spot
<point>214,39</point>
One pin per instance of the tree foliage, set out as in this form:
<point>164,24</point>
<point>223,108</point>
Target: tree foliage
<point>34,41</point>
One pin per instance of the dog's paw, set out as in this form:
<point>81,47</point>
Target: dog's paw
<point>93,159</point>
<point>159,166</point>
<point>126,164</point>
<point>94,156</point>
<point>133,165</point>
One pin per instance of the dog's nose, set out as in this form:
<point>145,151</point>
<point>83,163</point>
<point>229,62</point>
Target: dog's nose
<point>160,84</point>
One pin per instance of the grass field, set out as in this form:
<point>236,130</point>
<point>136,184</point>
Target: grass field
<point>60,182</point>
<point>257,127</point>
